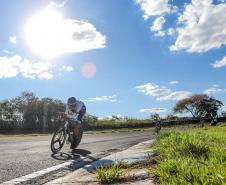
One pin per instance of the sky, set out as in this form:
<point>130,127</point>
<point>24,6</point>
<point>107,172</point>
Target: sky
<point>121,57</point>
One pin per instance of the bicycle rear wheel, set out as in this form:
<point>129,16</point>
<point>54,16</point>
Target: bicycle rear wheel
<point>58,140</point>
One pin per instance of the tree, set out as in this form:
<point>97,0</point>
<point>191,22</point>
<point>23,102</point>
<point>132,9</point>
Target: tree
<point>155,117</point>
<point>189,105</point>
<point>209,107</point>
<point>7,110</point>
<point>171,117</point>
<point>223,114</point>
<point>200,106</point>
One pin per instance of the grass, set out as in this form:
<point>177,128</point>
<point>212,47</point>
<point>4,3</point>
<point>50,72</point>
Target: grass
<point>110,174</point>
<point>195,156</point>
<point>120,130</point>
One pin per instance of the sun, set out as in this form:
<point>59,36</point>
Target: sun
<point>43,33</point>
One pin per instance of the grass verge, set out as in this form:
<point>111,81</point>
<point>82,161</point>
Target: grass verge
<point>111,173</point>
<point>193,156</point>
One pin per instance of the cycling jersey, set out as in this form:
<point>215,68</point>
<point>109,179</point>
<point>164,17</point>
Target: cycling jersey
<point>77,112</point>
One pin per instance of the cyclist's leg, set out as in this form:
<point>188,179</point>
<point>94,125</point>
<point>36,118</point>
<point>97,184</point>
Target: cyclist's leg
<point>80,117</point>
<point>79,122</point>
<point>82,113</point>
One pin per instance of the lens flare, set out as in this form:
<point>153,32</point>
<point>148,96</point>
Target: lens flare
<point>88,70</point>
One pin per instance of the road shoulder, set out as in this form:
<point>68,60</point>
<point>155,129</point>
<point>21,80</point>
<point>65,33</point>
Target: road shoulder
<point>86,175</point>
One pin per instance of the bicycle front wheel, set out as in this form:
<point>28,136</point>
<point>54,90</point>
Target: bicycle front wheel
<point>58,140</point>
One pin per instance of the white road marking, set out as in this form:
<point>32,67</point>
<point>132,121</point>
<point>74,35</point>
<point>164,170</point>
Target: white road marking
<point>48,170</point>
<point>37,174</point>
<point>44,171</point>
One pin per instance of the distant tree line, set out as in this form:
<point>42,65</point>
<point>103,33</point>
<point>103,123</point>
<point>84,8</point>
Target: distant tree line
<point>27,112</point>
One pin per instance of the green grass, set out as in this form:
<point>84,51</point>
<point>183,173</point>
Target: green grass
<point>111,173</point>
<point>195,156</point>
<point>120,130</point>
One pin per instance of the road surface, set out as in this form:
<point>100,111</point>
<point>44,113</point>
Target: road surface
<point>20,156</point>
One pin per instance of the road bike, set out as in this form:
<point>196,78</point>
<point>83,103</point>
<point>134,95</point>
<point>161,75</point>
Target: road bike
<point>158,127</point>
<point>65,133</point>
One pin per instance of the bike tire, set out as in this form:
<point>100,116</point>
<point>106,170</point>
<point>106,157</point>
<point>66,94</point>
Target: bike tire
<point>78,139</point>
<point>62,134</point>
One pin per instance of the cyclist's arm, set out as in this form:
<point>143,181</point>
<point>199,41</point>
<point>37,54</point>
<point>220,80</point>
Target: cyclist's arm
<point>71,116</point>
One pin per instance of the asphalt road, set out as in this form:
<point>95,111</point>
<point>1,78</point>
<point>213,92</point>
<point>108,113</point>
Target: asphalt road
<point>20,156</point>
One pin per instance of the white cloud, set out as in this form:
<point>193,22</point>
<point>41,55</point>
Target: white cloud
<point>153,110</point>
<point>49,34</point>
<point>13,39</point>
<point>202,27</point>
<point>220,63</point>
<point>213,90</point>
<point>16,65</point>
<point>6,51</point>
<point>59,5</point>
<point>111,117</point>
<point>161,92</point>
<point>177,95</point>
<point>67,68</point>
<point>171,31</point>
<point>45,76</point>
<point>157,26</point>
<point>152,89</point>
<point>154,7</point>
<point>103,98</point>
<point>160,33</point>
<point>173,82</point>
<point>9,66</point>
<point>31,70</point>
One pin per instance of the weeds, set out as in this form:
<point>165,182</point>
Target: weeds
<point>191,157</point>
<point>112,173</point>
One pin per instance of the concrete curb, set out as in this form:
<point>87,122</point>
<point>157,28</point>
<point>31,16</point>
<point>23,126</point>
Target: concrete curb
<point>136,153</point>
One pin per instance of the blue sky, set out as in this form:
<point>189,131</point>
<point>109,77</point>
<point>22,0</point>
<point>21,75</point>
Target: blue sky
<point>129,58</point>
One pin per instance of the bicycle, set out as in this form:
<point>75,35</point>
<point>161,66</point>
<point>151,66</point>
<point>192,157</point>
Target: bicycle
<point>158,127</point>
<point>63,133</point>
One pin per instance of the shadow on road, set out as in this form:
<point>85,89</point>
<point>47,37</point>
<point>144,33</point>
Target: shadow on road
<point>75,154</point>
<point>61,156</point>
<point>82,152</point>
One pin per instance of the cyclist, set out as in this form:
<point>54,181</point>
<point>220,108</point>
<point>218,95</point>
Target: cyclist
<point>75,111</point>
<point>158,126</point>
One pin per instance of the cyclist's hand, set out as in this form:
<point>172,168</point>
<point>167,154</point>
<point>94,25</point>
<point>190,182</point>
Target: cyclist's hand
<point>62,115</point>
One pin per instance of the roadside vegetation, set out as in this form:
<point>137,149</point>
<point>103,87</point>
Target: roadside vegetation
<point>28,113</point>
<point>191,156</point>
<point>120,171</point>
<point>111,173</point>
<point>184,155</point>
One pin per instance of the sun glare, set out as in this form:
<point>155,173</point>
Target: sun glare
<point>43,32</point>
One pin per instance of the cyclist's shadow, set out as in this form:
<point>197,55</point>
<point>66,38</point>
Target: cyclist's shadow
<point>74,155</point>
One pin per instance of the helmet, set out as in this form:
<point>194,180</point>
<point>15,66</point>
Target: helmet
<point>71,101</point>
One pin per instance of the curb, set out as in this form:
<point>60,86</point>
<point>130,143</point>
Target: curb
<point>136,153</point>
